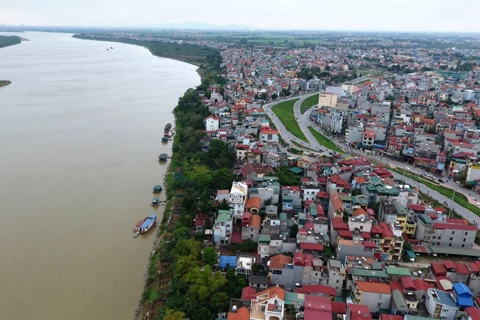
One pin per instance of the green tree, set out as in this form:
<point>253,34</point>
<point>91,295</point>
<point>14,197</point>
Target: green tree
<point>174,315</point>
<point>292,233</point>
<point>183,266</point>
<point>188,247</point>
<point>181,233</point>
<point>204,283</point>
<point>210,256</point>
<point>356,192</point>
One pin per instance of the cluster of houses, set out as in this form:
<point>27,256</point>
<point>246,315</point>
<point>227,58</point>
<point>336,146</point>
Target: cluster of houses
<point>332,245</point>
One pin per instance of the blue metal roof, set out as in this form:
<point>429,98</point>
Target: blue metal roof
<point>445,298</point>
<point>464,295</point>
<point>230,260</point>
<point>148,221</point>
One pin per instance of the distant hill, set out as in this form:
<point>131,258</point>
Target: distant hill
<point>205,26</point>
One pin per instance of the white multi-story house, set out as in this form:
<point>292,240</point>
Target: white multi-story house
<point>268,305</point>
<point>237,200</point>
<point>212,123</point>
<point>222,229</point>
<point>440,305</point>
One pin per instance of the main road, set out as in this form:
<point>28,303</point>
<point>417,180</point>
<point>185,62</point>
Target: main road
<point>304,122</point>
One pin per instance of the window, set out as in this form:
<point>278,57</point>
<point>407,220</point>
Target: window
<point>466,233</point>
<point>437,308</point>
<point>434,237</point>
<point>380,296</point>
<point>379,305</point>
<point>444,310</point>
<point>337,281</point>
<point>451,238</point>
<point>361,227</point>
<point>453,232</point>
<point>464,239</point>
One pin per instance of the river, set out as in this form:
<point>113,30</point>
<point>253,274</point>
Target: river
<point>81,130</point>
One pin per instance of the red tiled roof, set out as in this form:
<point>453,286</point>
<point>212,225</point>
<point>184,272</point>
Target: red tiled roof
<point>422,285</point>
<point>317,288</point>
<point>396,285</point>
<point>249,293</point>
<point>369,244</point>
<point>311,246</point>
<point>277,262</point>
<point>254,202</point>
<point>449,264</point>
<point>345,233</point>
<point>407,283</point>
<point>473,312</point>
<point>376,287</point>
<point>454,226</point>
<point>461,268</point>
<point>438,269</point>
<point>339,307</point>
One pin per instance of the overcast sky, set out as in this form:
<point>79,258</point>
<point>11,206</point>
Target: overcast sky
<point>361,15</point>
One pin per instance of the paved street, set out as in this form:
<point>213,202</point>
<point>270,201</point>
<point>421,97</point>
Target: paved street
<point>304,122</point>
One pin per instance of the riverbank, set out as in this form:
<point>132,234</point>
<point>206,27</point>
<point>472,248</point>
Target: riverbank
<point>4,83</point>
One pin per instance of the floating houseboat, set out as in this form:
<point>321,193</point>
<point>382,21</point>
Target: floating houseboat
<point>143,226</point>
<point>162,157</point>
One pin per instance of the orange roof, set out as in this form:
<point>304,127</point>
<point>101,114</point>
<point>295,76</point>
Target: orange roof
<point>376,287</point>
<point>254,202</point>
<point>359,212</point>
<point>336,201</point>
<point>278,261</point>
<point>273,292</point>
<point>255,221</point>
<point>242,314</point>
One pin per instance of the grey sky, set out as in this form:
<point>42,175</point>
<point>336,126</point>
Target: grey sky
<point>389,15</point>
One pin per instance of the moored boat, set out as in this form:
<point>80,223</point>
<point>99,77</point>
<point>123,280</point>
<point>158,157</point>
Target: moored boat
<point>165,139</point>
<point>155,202</point>
<point>157,188</point>
<point>162,157</point>
<point>148,223</point>
<point>168,126</point>
<point>136,234</point>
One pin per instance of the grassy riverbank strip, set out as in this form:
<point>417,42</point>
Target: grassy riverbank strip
<point>309,102</point>
<point>284,112</point>
<point>324,141</point>
<point>459,198</point>
<point>196,55</point>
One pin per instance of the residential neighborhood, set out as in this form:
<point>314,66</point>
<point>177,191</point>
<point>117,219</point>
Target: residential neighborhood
<point>344,241</point>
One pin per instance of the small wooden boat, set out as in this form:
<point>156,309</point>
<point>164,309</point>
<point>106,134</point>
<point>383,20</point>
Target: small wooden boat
<point>164,139</point>
<point>162,157</point>
<point>155,202</point>
<point>136,234</point>
<point>157,188</point>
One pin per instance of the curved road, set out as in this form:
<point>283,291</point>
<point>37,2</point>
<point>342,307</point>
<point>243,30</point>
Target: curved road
<point>304,122</point>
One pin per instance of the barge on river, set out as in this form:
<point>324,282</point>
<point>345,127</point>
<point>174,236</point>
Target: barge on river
<point>143,226</point>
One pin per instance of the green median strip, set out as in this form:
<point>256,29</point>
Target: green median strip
<point>447,192</point>
<point>309,102</point>
<point>324,141</point>
<point>284,112</point>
